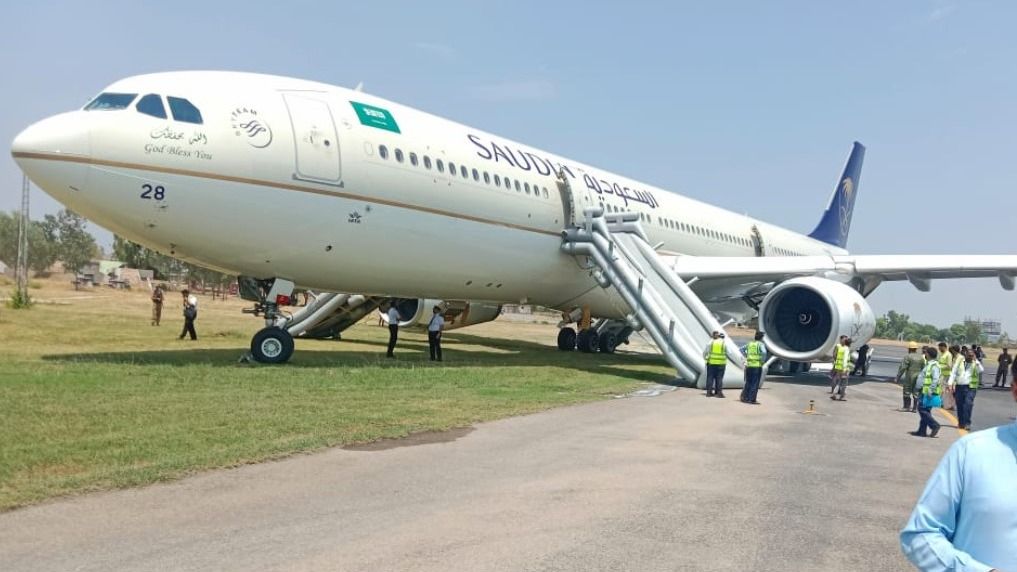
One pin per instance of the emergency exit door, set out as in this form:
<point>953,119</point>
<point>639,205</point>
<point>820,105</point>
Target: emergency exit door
<point>315,139</point>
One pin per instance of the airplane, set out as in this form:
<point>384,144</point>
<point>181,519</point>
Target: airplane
<point>292,183</point>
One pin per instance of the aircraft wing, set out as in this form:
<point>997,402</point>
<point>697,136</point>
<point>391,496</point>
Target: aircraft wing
<point>920,270</point>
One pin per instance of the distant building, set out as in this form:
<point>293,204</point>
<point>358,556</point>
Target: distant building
<point>991,329</point>
<point>4,269</point>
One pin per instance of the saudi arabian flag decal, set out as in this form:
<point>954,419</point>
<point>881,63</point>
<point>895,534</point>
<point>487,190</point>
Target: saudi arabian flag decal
<point>375,117</point>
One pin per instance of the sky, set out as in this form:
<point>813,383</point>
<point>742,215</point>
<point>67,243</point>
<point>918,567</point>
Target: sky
<point>752,106</point>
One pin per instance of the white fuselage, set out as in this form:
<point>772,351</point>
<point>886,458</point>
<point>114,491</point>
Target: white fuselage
<point>338,190</point>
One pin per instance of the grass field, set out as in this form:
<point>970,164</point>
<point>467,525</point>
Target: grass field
<point>92,397</point>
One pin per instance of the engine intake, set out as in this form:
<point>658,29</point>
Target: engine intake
<point>804,317</point>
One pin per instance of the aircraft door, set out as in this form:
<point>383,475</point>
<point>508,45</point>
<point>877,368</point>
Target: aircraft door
<point>315,140</point>
<point>572,203</point>
<point>757,241</point>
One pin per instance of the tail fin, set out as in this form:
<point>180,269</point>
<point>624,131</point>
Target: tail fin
<point>836,222</point>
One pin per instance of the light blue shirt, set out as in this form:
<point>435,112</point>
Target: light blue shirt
<point>966,520</point>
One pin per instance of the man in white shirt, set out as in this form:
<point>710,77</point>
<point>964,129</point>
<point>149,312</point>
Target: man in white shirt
<point>190,314</point>
<point>434,329</point>
<point>393,327</point>
<point>964,382</point>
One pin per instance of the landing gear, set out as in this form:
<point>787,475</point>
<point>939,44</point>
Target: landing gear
<point>608,342</point>
<point>272,345</point>
<point>588,341</point>
<point>566,339</point>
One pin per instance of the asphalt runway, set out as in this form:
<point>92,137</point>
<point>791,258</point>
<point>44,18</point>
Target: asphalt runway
<point>993,407</point>
<point>667,481</point>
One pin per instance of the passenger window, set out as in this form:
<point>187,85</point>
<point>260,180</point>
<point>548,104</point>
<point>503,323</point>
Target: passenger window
<point>413,159</point>
<point>508,183</point>
<point>151,104</point>
<point>527,185</point>
<point>427,161</point>
<point>184,110</point>
<point>476,175</point>
<point>452,169</point>
<point>464,172</point>
<point>497,180</point>
<point>441,165</point>
<point>517,184</point>
<point>383,151</point>
<point>399,155</point>
<point>110,101</point>
<point>487,177</point>
<point>545,192</point>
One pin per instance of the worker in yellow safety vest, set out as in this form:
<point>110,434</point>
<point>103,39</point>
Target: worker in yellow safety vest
<point>932,392</point>
<point>945,360</point>
<point>841,368</point>
<point>716,362</point>
<point>755,357</point>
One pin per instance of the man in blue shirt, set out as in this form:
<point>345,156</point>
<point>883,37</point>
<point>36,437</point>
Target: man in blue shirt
<point>966,520</point>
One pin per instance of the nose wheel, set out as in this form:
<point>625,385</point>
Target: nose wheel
<point>272,345</point>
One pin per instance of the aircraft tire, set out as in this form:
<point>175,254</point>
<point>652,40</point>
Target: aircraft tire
<point>567,339</point>
<point>588,341</point>
<point>272,345</point>
<point>608,343</point>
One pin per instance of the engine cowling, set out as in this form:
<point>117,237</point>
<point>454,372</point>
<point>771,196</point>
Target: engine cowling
<point>457,313</point>
<point>803,318</point>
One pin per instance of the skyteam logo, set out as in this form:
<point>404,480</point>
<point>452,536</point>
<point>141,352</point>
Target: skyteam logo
<point>248,125</point>
<point>847,200</point>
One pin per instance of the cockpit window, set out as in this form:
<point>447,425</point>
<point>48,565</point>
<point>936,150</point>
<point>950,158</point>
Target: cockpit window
<point>184,110</point>
<point>110,101</point>
<point>151,104</point>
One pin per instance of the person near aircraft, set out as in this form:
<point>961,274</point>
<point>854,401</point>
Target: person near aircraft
<point>755,357</point>
<point>841,365</point>
<point>716,362</point>
<point>907,376</point>
<point>157,300</point>
<point>434,330</point>
<point>931,394</point>
<point>1004,360</point>
<point>393,328</point>
<point>966,378</point>
<point>190,307</point>
<point>945,358</point>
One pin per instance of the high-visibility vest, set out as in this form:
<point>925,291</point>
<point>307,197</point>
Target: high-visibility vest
<point>975,381</point>
<point>754,354</point>
<point>842,358</point>
<point>945,363</point>
<point>717,354</point>
<point>927,384</point>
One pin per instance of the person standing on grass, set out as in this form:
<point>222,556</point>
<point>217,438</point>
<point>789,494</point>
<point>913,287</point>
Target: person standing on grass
<point>966,519</point>
<point>157,299</point>
<point>434,329</point>
<point>190,314</point>
<point>393,328</point>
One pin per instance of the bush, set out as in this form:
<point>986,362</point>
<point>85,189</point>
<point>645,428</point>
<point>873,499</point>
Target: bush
<point>19,301</point>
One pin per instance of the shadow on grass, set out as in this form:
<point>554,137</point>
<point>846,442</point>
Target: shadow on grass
<point>410,353</point>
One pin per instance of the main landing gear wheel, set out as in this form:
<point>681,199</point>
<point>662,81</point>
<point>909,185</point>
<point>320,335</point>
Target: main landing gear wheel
<point>272,345</point>
<point>608,342</point>
<point>588,341</point>
<point>567,339</point>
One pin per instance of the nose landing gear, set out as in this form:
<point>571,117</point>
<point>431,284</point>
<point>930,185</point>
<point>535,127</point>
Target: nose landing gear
<point>272,344</point>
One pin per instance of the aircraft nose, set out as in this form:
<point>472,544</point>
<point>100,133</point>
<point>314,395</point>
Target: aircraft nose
<point>64,134</point>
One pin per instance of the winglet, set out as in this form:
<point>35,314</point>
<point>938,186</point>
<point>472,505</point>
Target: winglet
<point>833,228</point>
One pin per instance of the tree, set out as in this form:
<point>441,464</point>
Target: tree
<point>42,246</point>
<point>76,247</point>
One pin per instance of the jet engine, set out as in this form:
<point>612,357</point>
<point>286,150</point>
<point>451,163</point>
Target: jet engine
<point>457,313</point>
<point>803,318</point>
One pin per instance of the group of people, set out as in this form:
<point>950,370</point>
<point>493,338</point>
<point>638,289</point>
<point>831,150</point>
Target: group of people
<point>754,356</point>
<point>190,310</point>
<point>943,376</point>
<point>435,327</point>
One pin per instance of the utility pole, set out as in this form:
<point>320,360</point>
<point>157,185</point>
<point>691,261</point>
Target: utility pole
<point>21,270</point>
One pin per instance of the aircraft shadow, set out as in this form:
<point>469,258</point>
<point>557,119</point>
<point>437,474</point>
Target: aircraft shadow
<point>410,353</point>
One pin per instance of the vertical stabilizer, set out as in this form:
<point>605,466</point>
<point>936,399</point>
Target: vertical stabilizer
<point>833,228</point>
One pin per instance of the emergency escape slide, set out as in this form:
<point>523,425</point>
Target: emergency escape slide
<point>329,313</point>
<point>660,301</point>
